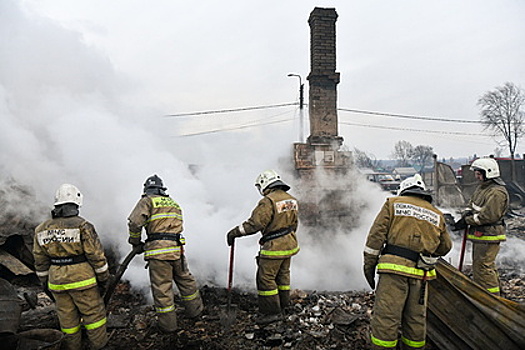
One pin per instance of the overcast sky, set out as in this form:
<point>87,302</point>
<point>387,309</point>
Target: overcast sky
<point>410,57</point>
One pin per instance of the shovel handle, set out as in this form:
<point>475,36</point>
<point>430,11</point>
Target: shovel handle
<point>230,270</point>
<point>463,248</point>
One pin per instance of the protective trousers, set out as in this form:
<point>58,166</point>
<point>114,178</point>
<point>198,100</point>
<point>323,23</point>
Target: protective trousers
<point>397,305</point>
<point>273,284</point>
<point>484,268</point>
<point>86,305</point>
<point>162,273</point>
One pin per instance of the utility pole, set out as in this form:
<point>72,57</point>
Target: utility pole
<point>301,106</point>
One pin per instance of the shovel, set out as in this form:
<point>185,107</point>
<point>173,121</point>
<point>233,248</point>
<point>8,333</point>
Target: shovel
<point>114,280</point>
<point>229,312</point>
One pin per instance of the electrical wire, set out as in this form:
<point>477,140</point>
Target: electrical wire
<point>243,126</point>
<point>416,130</point>
<point>220,111</point>
<point>358,111</point>
<point>405,116</point>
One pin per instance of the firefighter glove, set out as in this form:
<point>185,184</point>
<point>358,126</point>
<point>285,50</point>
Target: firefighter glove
<point>43,281</point>
<point>139,248</point>
<point>461,224</point>
<point>103,277</point>
<point>134,241</point>
<point>234,233</point>
<point>370,274</point>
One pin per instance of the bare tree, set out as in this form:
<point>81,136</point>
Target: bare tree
<point>502,112</point>
<point>403,151</point>
<point>365,160</point>
<point>422,155</point>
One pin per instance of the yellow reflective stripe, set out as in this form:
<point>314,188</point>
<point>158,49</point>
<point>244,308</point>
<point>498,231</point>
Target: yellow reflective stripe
<point>85,283</point>
<point>405,269</point>
<point>95,325</point>
<point>413,343</point>
<point>71,330</point>
<point>383,343</point>
<point>486,238</point>
<point>162,310</point>
<point>279,252</point>
<point>134,234</point>
<point>164,216</point>
<point>161,251</point>
<point>283,287</point>
<point>189,297</point>
<point>268,292</point>
<point>494,290</point>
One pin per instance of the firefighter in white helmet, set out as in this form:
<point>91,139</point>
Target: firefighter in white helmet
<point>484,217</point>
<point>161,217</point>
<point>403,244</point>
<point>276,217</point>
<point>70,262</point>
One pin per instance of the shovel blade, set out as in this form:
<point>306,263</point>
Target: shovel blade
<point>228,315</point>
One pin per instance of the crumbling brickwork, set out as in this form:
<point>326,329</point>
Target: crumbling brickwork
<point>323,78</point>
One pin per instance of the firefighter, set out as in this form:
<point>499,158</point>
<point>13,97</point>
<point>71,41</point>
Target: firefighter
<point>404,243</point>
<point>70,262</point>
<point>161,218</point>
<point>276,217</point>
<point>484,217</point>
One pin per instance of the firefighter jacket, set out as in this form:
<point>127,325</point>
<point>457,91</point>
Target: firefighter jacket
<point>489,204</point>
<point>68,253</point>
<point>412,223</point>
<point>161,217</point>
<point>276,215</point>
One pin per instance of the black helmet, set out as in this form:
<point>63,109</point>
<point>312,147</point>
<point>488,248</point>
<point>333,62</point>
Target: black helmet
<point>154,182</point>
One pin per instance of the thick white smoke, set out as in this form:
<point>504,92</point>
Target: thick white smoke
<point>66,119</point>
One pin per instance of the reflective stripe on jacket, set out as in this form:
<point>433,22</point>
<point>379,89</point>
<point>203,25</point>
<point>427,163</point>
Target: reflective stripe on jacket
<point>65,237</point>
<point>275,211</point>
<point>157,214</point>
<point>489,203</point>
<point>412,223</point>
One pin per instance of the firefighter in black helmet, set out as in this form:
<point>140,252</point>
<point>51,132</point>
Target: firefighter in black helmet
<point>161,217</point>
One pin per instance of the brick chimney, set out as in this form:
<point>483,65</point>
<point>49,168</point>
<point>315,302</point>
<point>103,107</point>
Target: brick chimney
<point>322,146</point>
<point>323,78</point>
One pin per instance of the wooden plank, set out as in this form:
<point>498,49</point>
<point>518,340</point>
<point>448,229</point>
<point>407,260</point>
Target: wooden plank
<point>462,315</point>
<point>13,264</point>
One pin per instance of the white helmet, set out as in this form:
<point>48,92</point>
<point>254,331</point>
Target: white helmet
<point>67,193</point>
<point>488,165</point>
<point>412,184</point>
<point>268,179</point>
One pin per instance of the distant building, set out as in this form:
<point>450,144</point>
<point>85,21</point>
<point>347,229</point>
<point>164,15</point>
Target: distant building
<point>402,173</point>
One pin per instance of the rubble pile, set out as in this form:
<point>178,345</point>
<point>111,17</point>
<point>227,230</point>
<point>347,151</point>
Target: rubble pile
<point>315,320</point>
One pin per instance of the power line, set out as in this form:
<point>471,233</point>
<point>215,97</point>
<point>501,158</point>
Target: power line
<point>405,116</point>
<point>235,128</point>
<point>358,111</point>
<point>416,130</point>
<point>219,111</point>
